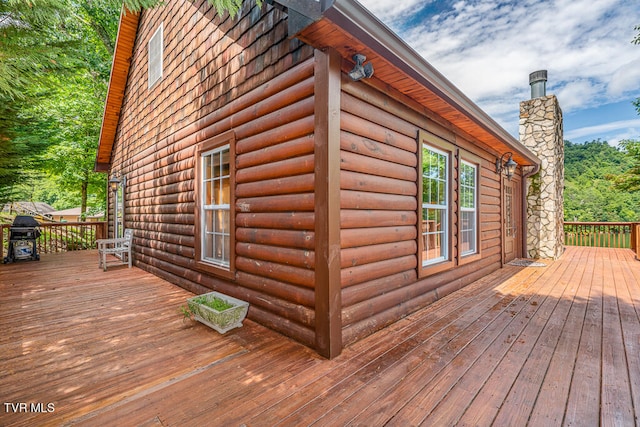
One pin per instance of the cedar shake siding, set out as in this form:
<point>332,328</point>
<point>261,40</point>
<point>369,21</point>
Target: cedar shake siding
<point>321,179</point>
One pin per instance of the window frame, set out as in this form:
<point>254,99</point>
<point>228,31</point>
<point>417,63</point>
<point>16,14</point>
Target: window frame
<point>157,35</point>
<point>207,147</point>
<point>476,162</point>
<point>437,144</point>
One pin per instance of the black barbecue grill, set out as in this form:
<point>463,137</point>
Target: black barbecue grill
<point>23,234</point>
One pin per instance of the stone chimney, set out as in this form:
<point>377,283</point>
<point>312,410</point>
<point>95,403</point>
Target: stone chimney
<point>541,131</point>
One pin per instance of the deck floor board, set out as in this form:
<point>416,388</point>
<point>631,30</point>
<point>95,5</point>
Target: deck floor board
<point>539,346</point>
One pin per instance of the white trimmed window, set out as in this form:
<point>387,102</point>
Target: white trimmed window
<point>215,207</point>
<point>468,208</point>
<point>435,205</point>
<point>155,53</point>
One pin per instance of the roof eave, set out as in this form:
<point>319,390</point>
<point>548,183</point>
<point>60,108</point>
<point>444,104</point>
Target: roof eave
<point>359,22</point>
<point>127,30</point>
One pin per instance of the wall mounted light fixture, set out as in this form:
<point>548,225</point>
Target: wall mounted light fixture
<point>115,182</point>
<point>509,167</point>
<point>361,70</point>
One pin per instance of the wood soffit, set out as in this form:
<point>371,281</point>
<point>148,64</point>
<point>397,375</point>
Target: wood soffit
<point>127,30</point>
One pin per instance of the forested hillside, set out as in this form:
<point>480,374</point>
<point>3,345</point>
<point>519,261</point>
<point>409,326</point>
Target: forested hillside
<point>589,195</point>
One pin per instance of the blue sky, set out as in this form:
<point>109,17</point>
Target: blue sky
<point>488,48</point>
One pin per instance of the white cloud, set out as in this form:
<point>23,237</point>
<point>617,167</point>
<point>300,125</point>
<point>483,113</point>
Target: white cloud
<point>488,48</point>
<point>578,94</point>
<point>625,79</point>
<point>613,132</point>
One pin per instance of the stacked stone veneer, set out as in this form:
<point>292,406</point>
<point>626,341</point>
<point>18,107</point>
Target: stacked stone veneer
<point>541,131</point>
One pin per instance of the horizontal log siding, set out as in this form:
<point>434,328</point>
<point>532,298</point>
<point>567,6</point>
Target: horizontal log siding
<point>274,212</point>
<point>379,202</point>
<point>379,221</point>
<point>219,75</point>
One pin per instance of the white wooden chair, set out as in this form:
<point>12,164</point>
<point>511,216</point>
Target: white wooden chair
<point>120,247</point>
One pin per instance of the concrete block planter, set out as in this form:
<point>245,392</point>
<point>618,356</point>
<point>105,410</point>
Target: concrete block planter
<point>218,311</point>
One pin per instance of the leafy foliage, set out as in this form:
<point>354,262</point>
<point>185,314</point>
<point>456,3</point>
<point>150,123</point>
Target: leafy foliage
<point>55,59</point>
<point>51,114</point>
<point>222,6</point>
<point>630,179</point>
<point>590,194</point>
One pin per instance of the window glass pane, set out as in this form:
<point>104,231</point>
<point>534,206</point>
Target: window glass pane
<point>227,244</point>
<point>215,192</point>
<point>225,193</point>
<point>206,167</point>
<point>442,193</point>
<point>222,221</point>
<point>207,195</point>
<point>215,161</point>
<point>208,221</point>
<point>207,249</point>
<point>207,246</point>
<point>225,163</point>
<point>426,190</point>
<point>218,248</point>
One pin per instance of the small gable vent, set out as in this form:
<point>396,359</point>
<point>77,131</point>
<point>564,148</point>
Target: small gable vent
<point>155,57</point>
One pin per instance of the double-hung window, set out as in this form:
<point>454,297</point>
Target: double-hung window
<point>435,205</point>
<point>435,208</point>
<point>214,210</point>
<point>216,194</point>
<point>468,208</point>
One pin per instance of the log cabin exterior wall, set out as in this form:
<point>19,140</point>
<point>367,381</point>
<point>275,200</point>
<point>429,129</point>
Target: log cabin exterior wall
<point>276,96</point>
<point>213,81</point>
<point>379,193</point>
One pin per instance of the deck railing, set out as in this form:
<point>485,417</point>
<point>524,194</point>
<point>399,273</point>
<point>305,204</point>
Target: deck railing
<point>603,234</point>
<point>61,237</point>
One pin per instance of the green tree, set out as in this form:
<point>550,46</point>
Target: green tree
<point>636,40</point>
<point>55,58</point>
<point>590,194</point>
<point>630,179</point>
<point>32,45</point>
<point>222,6</point>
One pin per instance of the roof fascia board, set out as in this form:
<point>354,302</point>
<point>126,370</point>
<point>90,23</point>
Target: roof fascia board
<point>115,95</point>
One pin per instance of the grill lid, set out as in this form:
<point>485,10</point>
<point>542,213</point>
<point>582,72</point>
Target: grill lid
<point>25,221</point>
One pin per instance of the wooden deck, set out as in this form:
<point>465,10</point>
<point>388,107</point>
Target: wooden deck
<point>544,346</point>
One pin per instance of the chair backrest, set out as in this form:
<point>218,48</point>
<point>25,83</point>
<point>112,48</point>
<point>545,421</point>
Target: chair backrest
<point>128,236</point>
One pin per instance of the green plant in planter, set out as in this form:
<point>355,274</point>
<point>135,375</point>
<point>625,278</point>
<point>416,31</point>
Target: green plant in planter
<point>216,310</point>
<point>216,303</point>
<point>186,313</point>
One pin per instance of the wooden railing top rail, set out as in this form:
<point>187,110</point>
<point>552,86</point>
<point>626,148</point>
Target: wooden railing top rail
<point>603,234</point>
<point>599,223</point>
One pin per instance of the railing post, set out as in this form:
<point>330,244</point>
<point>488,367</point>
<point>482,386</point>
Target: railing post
<point>101,230</point>
<point>637,240</point>
<point>2,227</point>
